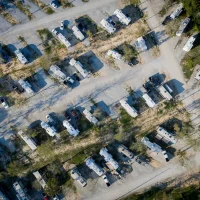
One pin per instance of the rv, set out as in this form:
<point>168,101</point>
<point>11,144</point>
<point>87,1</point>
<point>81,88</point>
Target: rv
<point>130,110</point>
<point>40,179</point>
<point>75,174</point>
<point>20,56</point>
<point>183,25</point>
<point>148,100</point>
<point>122,17</point>
<point>90,117</point>
<point>70,129</point>
<point>153,146</point>
<point>26,86</point>
<point>124,150</point>
<point>20,190</point>
<point>140,44</point>
<point>188,46</point>
<point>164,93</point>
<point>114,54</point>
<point>64,40</point>
<point>49,129</point>
<point>93,166</point>
<point>78,33</point>
<point>177,12</point>
<point>108,26</point>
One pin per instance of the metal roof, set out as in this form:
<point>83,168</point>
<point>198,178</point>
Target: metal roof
<point>55,71</point>
<point>20,56</point>
<point>164,93</point>
<point>92,165</point>
<point>20,192</point>
<point>28,140</point>
<point>122,17</point>
<point>114,54</point>
<point>153,146</point>
<point>177,12</point>
<point>130,110</point>
<point>165,134</point>
<point>148,100</point>
<point>140,43</point>
<point>183,25</point>
<point>108,158</point>
<point>124,150</point>
<point>64,40</point>
<point>79,67</point>
<point>26,86</point>
<point>78,33</point>
<point>75,174</point>
<point>108,27</point>
<point>189,44</point>
<point>49,129</point>
<point>40,179</point>
<point>90,117</point>
<point>70,129</point>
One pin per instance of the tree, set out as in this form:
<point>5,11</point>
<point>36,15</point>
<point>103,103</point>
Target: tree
<point>45,150</point>
<point>15,168</point>
<point>52,187</point>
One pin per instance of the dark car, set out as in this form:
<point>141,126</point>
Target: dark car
<point>76,77</point>
<point>74,114</point>
<point>155,80</point>
<point>17,89</point>
<point>67,116</point>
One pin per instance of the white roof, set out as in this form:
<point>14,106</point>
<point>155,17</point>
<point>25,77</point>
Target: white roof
<point>79,67</point>
<point>153,146</point>
<point>122,17</point>
<point>92,165</point>
<point>49,129</point>
<point>78,33</point>
<point>28,140</point>
<point>2,196</point>
<point>20,56</point>
<point>148,100</point>
<point>64,40</point>
<point>130,110</point>
<point>197,76</point>
<point>39,179</point>
<point>55,71</point>
<point>189,44</point>
<point>20,192</point>
<point>26,86</point>
<point>165,134</point>
<point>108,27</point>
<point>90,117</point>
<point>75,174</point>
<point>140,43</point>
<point>70,129</point>
<point>108,158</point>
<point>114,54</point>
<point>183,25</point>
<point>164,93</point>
<point>177,12</point>
<point>124,150</point>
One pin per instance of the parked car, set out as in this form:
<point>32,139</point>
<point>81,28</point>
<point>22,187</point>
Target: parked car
<point>62,25</point>
<point>74,114</point>
<point>17,89</point>
<point>67,116</point>
<point>49,118</point>
<point>165,156</point>
<point>4,102</point>
<point>70,80</point>
<point>54,31</point>
<point>106,180</point>
<point>54,4</point>
<point>110,21</point>
<point>76,77</point>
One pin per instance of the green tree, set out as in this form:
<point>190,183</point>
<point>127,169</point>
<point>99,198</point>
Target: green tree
<point>52,187</point>
<point>15,168</point>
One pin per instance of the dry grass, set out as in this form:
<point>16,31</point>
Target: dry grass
<point>9,18</point>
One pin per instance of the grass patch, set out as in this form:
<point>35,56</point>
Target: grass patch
<point>9,18</point>
<point>65,3</point>
<point>48,10</point>
<point>43,6</point>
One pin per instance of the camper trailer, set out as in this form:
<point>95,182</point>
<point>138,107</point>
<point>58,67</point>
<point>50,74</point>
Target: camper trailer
<point>164,93</point>
<point>90,117</point>
<point>70,129</point>
<point>122,17</point>
<point>78,33</point>
<point>40,179</point>
<point>153,146</point>
<point>20,56</point>
<point>130,110</point>
<point>188,46</point>
<point>183,25</point>
<point>148,100</point>
<point>49,129</point>
<point>114,54</point>
<point>108,26</point>
<point>124,150</point>
<point>26,86</point>
<point>21,191</point>
<point>93,166</point>
<point>75,174</point>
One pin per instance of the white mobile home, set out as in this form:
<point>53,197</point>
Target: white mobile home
<point>75,174</point>
<point>107,26</point>
<point>28,140</point>
<point>114,54</point>
<point>70,129</point>
<point>164,93</point>
<point>148,100</point>
<point>166,135</point>
<point>124,150</point>
<point>79,67</point>
<point>20,56</point>
<point>26,86</point>
<point>108,158</point>
<point>183,25</point>
<point>122,17</point>
<point>64,40</point>
<point>92,165</point>
<point>49,129</point>
<point>20,190</point>
<point>140,44</point>
<point>153,146</point>
<point>78,33</point>
<point>188,46</point>
<point>130,110</point>
<point>40,179</point>
<point>56,72</point>
<point>90,117</point>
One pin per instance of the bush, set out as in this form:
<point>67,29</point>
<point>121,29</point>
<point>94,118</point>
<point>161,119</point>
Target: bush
<point>49,11</point>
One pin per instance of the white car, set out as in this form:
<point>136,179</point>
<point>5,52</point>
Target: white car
<point>4,103</point>
<point>54,31</point>
<point>165,156</point>
<point>53,4</point>
<point>49,118</point>
<point>55,197</point>
<point>62,25</point>
<point>106,180</point>
<point>70,80</point>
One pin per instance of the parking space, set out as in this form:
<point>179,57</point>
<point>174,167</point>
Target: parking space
<point>4,25</point>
